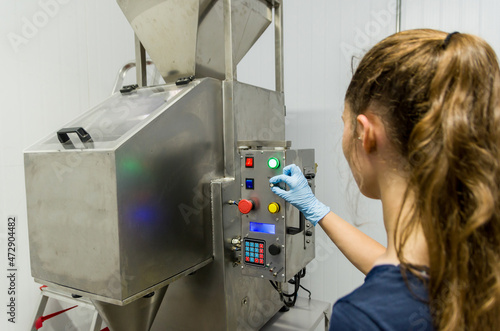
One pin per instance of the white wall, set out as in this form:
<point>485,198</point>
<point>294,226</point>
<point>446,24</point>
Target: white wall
<point>69,62</point>
<point>62,67</point>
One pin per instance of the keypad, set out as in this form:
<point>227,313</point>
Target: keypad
<point>254,252</point>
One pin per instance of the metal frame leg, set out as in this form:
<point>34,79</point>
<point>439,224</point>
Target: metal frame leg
<point>398,15</point>
<point>140,63</point>
<point>228,41</point>
<point>41,308</point>
<point>278,46</point>
<point>96,322</point>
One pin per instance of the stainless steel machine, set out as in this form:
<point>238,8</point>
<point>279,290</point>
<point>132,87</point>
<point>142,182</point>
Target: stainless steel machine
<point>169,184</point>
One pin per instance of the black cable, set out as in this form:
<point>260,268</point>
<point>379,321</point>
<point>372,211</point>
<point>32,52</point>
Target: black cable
<point>290,299</point>
<point>291,302</point>
<point>306,291</point>
<point>302,274</point>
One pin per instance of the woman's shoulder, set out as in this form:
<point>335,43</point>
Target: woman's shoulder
<point>387,300</point>
<point>390,280</point>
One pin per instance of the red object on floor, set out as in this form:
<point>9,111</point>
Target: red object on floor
<point>42,287</point>
<point>41,319</point>
<point>105,329</point>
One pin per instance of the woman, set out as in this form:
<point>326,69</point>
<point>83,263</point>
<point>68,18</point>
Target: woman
<point>422,134</point>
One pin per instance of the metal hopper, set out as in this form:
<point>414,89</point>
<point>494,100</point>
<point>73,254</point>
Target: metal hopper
<point>186,37</point>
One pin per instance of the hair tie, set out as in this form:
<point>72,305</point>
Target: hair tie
<point>448,38</point>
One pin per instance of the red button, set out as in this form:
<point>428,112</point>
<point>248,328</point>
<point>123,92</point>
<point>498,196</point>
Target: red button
<point>249,162</point>
<point>245,206</point>
<point>261,251</point>
<point>261,256</point>
<point>247,259</point>
<point>261,245</point>
<point>261,261</point>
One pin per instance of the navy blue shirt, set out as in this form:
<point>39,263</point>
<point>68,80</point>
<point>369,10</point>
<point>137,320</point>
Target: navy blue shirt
<point>384,302</point>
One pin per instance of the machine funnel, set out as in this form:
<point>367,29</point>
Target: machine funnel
<point>135,316</point>
<point>168,31</point>
<point>187,37</point>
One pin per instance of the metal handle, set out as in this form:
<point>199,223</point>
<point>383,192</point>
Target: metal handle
<point>123,72</point>
<point>302,223</point>
<point>84,136</point>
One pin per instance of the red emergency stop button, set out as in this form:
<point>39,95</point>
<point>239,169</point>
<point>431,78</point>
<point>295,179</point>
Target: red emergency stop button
<point>245,206</point>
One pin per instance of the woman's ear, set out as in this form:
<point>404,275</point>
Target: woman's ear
<point>366,133</point>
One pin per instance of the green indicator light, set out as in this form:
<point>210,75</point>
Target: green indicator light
<point>273,163</point>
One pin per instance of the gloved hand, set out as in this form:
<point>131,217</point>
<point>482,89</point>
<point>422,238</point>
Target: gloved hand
<point>300,194</point>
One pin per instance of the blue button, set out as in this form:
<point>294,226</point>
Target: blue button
<point>249,183</point>
<point>246,243</point>
<point>251,244</point>
<point>247,254</point>
<point>252,254</point>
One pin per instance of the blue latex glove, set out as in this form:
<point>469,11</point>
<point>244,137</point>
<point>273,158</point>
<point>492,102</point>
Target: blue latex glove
<point>300,194</point>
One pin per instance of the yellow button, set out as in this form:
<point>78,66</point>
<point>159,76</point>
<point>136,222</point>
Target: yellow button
<point>273,207</point>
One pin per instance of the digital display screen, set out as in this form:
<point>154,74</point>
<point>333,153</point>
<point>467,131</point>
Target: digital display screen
<point>262,227</point>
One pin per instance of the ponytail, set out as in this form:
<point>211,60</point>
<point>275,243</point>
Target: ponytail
<point>441,99</point>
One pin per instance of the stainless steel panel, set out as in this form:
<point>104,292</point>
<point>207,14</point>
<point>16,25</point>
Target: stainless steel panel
<point>118,220</point>
<point>259,113</point>
<point>72,215</point>
<point>250,114</point>
<point>274,266</point>
<point>278,231</point>
<point>163,171</point>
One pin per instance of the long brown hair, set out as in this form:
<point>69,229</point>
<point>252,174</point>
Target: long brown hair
<point>439,98</point>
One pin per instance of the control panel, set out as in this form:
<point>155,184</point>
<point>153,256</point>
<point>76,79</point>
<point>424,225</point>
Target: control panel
<point>275,242</point>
